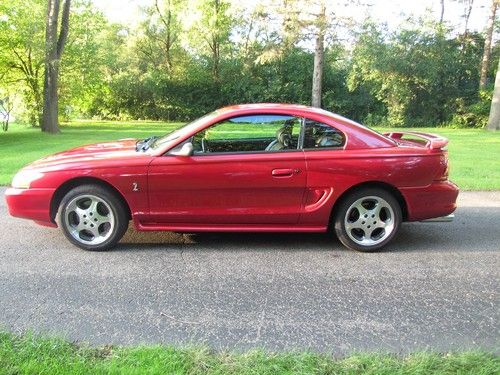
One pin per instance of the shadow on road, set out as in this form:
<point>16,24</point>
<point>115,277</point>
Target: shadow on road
<point>474,229</point>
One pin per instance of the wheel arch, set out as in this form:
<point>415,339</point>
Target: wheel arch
<point>64,188</point>
<point>373,184</point>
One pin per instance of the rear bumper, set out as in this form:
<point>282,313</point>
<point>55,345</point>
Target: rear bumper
<point>31,204</point>
<point>443,219</point>
<point>433,201</point>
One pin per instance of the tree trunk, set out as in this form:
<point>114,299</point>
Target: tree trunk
<point>216,43</point>
<point>468,10</point>
<point>487,45</point>
<point>167,22</point>
<point>215,57</point>
<point>441,18</point>
<point>54,46</point>
<point>494,120</point>
<point>319,52</point>
<point>50,98</point>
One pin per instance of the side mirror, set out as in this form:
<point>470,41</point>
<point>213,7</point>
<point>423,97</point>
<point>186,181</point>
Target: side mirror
<point>185,150</point>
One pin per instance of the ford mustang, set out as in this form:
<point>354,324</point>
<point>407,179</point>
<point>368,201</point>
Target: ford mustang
<point>254,167</point>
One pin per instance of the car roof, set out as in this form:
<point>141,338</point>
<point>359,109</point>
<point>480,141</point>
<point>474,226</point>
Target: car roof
<point>289,108</point>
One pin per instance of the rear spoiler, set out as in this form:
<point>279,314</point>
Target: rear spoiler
<point>432,141</point>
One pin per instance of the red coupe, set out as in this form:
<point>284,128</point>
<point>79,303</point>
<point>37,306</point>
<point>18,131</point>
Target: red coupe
<point>258,167</point>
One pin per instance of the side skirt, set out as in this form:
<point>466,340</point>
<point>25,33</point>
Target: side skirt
<point>181,227</point>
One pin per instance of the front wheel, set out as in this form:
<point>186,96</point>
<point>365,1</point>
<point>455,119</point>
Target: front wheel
<point>367,219</point>
<point>92,217</point>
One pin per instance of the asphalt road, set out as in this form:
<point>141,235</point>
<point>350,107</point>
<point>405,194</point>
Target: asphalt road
<point>436,287</point>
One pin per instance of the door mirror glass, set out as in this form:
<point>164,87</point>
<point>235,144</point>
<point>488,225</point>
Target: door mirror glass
<point>185,150</point>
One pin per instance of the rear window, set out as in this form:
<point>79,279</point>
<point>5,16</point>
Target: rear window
<point>319,135</point>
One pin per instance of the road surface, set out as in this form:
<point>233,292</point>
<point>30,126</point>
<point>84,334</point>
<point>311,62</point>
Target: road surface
<point>435,287</point>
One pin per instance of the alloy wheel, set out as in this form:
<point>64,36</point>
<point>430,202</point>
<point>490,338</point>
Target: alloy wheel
<point>369,221</point>
<point>89,219</point>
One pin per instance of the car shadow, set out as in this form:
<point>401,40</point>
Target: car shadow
<point>474,228</point>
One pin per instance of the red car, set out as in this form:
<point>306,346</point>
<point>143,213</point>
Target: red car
<point>258,167</point>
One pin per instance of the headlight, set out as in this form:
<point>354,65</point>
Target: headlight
<point>24,178</point>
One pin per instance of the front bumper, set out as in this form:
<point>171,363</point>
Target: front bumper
<point>31,204</point>
<point>433,201</point>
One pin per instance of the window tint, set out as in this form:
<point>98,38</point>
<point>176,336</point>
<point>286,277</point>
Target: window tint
<point>319,135</point>
<point>249,134</point>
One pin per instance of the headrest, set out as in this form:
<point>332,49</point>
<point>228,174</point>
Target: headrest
<point>284,136</point>
<point>326,141</point>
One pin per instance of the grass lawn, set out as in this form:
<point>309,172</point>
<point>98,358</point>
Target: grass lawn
<point>37,355</point>
<point>474,154</point>
<point>22,145</point>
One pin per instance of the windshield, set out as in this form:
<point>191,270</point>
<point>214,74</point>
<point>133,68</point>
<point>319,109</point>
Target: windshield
<point>159,142</point>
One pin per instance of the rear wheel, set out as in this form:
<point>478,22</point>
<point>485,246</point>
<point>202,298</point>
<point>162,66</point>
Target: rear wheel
<point>367,219</point>
<point>92,217</point>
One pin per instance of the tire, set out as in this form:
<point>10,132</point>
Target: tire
<point>92,217</point>
<point>367,219</point>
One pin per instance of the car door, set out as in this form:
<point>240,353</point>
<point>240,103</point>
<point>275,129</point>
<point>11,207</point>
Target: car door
<point>244,170</point>
<point>326,173</point>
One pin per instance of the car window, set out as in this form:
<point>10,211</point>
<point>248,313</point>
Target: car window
<point>319,135</point>
<point>256,133</point>
<point>159,142</point>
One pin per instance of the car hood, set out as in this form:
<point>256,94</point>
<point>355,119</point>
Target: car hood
<point>98,152</point>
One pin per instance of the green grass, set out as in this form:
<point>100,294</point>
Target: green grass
<point>22,145</point>
<point>474,154</point>
<point>31,354</point>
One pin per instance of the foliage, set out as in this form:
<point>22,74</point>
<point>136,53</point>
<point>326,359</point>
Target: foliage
<point>188,57</point>
<point>89,54</point>
<point>30,354</point>
<point>474,115</point>
<point>419,73</point>
<point>21,53</point>
<point>6,106</point>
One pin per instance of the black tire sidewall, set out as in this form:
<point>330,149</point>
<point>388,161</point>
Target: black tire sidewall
<point>339,225</point>
<point>119,212</point>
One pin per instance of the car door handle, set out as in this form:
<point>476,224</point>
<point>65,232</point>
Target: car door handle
<point>286,172</point>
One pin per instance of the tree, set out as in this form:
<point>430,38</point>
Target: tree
<point>55,41</point>
<point>211,30</point>
<point>6,107</point>
<point>319,57</point>
<point>485,63</point>
<point>159,33</point>
<point>167,22</point>
<point>94,54</point>
<point>21,53</point>
<point>494,119</point>
<point>468,4</point>
<point>441,17</point>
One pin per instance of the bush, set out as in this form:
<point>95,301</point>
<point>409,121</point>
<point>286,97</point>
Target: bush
<point>474,115</point>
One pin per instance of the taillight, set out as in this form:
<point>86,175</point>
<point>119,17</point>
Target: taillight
<point>442,174</point>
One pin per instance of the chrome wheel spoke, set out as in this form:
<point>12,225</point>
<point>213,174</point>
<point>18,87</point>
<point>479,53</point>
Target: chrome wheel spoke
<point>80,212</point>
<point>102,219</point>
<point>93,207</point>
<point>362,211</point>
<point>381,224</point>
<point>80,226</point>
<point>368,232</point>
<point>354,225</point>
<point>95,231</point>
